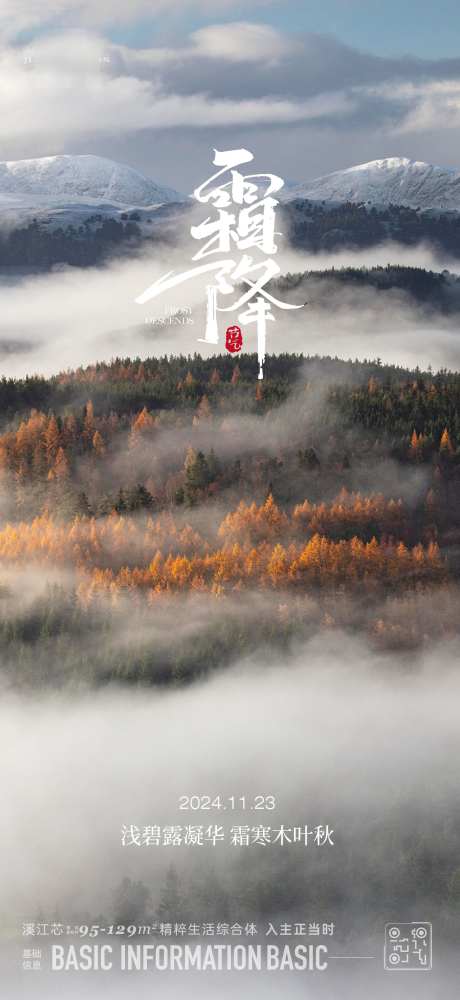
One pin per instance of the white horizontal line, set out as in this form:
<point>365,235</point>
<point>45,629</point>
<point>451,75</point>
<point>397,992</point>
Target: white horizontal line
<point>373,957</point>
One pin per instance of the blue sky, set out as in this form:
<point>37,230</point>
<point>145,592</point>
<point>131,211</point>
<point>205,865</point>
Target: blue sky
<point>384,27</point>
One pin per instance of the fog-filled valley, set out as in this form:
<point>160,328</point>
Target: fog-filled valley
<point>336,734</point>
<point>216,585</point>
<point>219,586</point>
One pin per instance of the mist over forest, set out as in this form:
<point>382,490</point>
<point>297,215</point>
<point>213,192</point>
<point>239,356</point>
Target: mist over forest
<point>316,227</point>
<point>219,585</point>
<point>324,498</point>
<point>173,526</point>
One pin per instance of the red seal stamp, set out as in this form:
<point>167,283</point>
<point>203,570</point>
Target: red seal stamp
<point>233,339</point>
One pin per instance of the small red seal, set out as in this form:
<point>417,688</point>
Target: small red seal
<point>233,339</point>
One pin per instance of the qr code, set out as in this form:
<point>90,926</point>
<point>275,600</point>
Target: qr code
<point>408,947</point>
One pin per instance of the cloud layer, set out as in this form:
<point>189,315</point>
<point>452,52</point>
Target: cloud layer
<point>94,315</point>
<point>73,89</point>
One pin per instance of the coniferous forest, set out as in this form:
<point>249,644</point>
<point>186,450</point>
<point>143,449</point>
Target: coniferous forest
<point>312,226</point>
<point>164,519</point>
<point>324,498</point>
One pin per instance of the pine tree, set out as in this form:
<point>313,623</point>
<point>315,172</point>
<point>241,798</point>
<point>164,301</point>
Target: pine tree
<point>82,505</point>
<point>98,444</point>
<point>138,498</point>
<point>171,908</point>
<point>213,466</point>
<point>88,422</point>
<point>61,466</point>
<point>196,475</point>
<point>131,903</point>
<point>445,444</point>
<point>52,439</point>
<point>143,423</point>
<point>120,504</point>
<point>203,410</point>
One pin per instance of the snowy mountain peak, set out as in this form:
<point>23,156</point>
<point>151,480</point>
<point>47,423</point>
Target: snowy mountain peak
<point>389,163</point>
<point>393,180</point>
<point>74,179</point>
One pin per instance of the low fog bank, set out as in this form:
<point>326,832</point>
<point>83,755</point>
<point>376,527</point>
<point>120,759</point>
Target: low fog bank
<point>75,630</point>
<point>337,734</point>
<point>307,417</point>
<point>78,316</point>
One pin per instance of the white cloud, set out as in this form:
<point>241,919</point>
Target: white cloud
<point>233,42</point>
<point>83,315</point>
<point>18,15</point>
<point>68,93</point>
<point>436,105</point>
<point>242,41</point>
<point>79,88</point>
<point>430,104</point>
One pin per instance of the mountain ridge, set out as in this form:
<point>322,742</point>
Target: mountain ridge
<point>391,180</point>
<point>75,179</point>
<point>89,180</point>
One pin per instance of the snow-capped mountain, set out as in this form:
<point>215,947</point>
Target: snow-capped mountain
<point>394,180</point>
<point>75,180</point>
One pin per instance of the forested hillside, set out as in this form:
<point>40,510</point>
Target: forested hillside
<point>318,226</point>
<point>158,482</point>
<point>437,291</point>
<point>313,226</point>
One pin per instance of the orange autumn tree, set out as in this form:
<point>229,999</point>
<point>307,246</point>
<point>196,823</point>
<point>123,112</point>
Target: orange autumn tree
<point>351,513</point>
<point>98,444</point>
<point>445,444</point>
<point>89,426</point>
<point>52,439</point>
<point>320,563</point>
<point>60,469</point>
<point>203,410</point>
<point>416,445</point>
<point>256,546</point>
<point>143,423</point>
<point>252,522</point>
